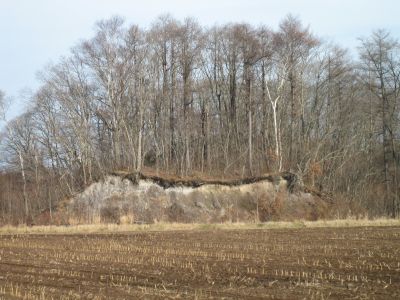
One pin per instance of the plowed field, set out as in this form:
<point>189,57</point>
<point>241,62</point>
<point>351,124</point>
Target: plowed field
<point>317,263</point>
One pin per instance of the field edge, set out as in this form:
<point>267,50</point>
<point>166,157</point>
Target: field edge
<point>114,228</point>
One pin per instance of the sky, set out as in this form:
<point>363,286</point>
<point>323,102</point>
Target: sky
<point>35,33</point>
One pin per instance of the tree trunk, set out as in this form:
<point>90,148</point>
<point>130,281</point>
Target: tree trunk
<point>25,196</point>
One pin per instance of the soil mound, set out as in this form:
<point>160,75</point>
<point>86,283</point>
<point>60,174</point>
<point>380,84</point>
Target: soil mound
<point>146,198</point>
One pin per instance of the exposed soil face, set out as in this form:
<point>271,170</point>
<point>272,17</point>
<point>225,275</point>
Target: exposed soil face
<point>136,197</point>
<point>323,263</point>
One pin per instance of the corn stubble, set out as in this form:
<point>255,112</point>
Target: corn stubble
<point>284,263</point>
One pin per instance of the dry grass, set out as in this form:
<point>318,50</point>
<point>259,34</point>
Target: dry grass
<point>113,228</point>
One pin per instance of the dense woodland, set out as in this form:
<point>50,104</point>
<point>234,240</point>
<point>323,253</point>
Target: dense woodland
<point>226,101</point>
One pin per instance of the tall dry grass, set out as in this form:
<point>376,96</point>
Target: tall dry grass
<point>114,228</point>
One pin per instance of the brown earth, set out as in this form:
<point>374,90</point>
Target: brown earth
<point>127,198</point>
<point>318,263</point>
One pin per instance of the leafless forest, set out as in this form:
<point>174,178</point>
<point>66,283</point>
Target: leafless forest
<point>226,101</point>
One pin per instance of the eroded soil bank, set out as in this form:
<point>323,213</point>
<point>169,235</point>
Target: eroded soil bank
<point>147,198</point>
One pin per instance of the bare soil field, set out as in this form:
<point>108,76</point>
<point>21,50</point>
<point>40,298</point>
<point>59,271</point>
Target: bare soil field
<point>288,263</point>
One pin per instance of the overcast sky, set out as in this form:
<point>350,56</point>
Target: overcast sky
<point>34,33</point>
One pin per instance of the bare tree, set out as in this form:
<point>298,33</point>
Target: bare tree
<point>2,104</point>
<point>111,60</point>
<point>228,100</point>
<point>380,56</point>
<point>22,149</point>
<point>295,43</point>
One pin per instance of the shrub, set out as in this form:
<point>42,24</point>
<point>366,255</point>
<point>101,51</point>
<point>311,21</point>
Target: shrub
<point>270,209</point>
<point>110,214</point>
<point>176,213</point>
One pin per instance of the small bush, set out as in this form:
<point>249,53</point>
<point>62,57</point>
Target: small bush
<point>110,214</point>
<point>176,213</point>
<point>270,209</point>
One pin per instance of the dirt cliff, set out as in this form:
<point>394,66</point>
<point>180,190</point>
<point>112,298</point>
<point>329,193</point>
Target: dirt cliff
<point>146,198</point>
